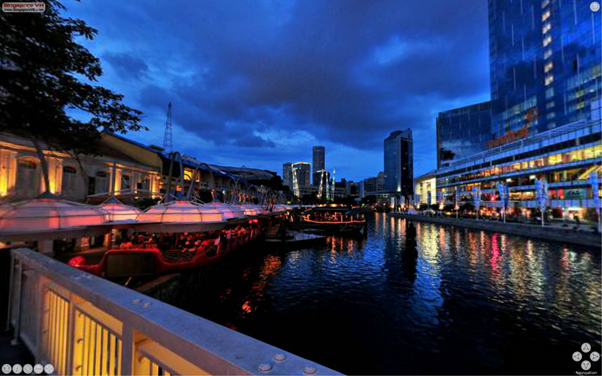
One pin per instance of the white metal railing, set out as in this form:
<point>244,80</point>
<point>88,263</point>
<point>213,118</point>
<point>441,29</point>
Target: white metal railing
<point>85,325</point>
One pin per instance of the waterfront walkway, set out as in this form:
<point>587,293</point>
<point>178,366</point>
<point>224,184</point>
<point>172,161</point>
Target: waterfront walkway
<point>584,237</point>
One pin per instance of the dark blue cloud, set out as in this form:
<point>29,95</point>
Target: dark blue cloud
<point>127,66</point>
<point>260,82</point>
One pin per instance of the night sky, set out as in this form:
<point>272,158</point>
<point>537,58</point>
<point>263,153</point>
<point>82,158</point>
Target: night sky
<point>258,83</point>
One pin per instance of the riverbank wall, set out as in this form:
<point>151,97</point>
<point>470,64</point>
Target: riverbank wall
<point>586,238</point>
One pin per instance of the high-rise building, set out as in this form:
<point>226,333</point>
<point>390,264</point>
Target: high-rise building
<point>380,182</point>
<point>399,170</point>
<point>318,154</point>
<point>302,173</point>
<point>545,66</point>
<point>287,174</point>
<point>462,132</point>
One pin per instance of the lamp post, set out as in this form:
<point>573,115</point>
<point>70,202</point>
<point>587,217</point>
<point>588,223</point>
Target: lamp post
<point>541,188</point>
<point>503,190</point>
<point>476,198</point>
<point>593,179</point>
<point>457,202</point>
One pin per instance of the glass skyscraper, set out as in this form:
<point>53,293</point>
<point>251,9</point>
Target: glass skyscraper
<point>545,65</point>
<point>462,132</point>
<point>399,170</point>
<point>318,164</point>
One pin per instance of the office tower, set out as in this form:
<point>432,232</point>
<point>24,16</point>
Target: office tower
<point>287,174</point>
<point>318,154</point>
<point>399,174</point>
<point>545,65</point>
<point>462,132</point>
<point>302,174</point>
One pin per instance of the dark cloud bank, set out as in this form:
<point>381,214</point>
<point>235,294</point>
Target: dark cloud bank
<point>244,74</point>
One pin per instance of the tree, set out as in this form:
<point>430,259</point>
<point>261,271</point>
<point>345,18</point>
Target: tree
<point>44,73</point>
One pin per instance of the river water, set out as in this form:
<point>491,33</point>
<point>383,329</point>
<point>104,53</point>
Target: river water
<point>413,298</point>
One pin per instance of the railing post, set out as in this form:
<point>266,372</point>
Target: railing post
<point>127,350</point>
<point>16,294</point>
<point>41,319</point>
<point>70,348</point>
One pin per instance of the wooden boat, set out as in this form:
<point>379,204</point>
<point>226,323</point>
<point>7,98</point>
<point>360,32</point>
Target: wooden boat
<point>335,219</point>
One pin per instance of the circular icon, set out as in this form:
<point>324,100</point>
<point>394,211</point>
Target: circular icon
<point>595,6</point>
<point>586,365</point>
<point>594,356</point>
<point>17,369</point>
<point>38,368</point>
<point>586,347</point>
<point>577,356</point>
<point>6,369</point>
<point>27,369</point>
<point>49,368</point>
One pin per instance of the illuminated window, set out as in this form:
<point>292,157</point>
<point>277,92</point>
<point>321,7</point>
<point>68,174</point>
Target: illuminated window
<point>549,79</point>
<point>546,28</point>
<point>547,54</point>
<point>545,3</point>
<point>547,40</point>
<point>548,67</point>
<point>549,93</point>
<point>545,15</point>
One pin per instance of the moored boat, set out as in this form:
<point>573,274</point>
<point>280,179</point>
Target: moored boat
<point>338,219</point>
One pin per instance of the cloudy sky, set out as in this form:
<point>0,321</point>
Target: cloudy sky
<point>258,83</point>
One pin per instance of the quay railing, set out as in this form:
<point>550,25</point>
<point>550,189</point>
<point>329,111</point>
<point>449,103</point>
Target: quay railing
<point>85,325</point>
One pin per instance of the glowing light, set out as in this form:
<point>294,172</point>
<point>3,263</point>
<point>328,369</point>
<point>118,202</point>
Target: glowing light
<point>77,261</point>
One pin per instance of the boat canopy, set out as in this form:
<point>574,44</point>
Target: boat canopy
<point>228,211</point>
<point>181,211</point>
<point>48,214</point>
<point>118,212</point>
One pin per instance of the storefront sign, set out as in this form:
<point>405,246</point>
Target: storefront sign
<point>510,136</point>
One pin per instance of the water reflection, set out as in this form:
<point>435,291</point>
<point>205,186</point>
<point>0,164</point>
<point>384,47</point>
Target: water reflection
<point>412,298</point>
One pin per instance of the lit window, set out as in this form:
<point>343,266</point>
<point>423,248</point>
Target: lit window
<point>547,54</point>
<point>546,15</point>
<point>547,40</point>
<point>549,105</point>
<point>546,28</point>
<point>548,67</point>
<point>549,79</point>
<point>549,93</point>
<point>545,3</point>
<point>551,115</point>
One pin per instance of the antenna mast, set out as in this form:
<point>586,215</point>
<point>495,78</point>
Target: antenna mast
<point>167,137</point>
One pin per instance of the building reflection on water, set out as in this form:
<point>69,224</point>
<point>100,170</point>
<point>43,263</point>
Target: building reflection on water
<point>412,298</point>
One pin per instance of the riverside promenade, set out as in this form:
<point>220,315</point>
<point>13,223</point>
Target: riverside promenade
<point>583,237</point>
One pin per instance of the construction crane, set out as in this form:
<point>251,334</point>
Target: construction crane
<point>167,137</point>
